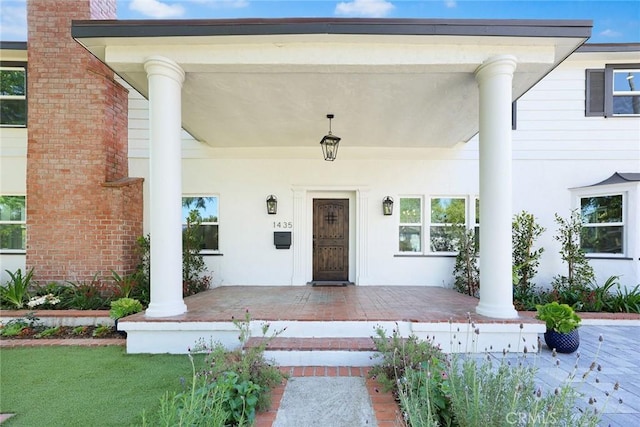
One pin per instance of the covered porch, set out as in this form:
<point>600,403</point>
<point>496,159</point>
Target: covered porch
<point>260,90</point>
<point>331,325</point>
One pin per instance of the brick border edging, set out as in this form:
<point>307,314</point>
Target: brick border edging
<point>385,407</point>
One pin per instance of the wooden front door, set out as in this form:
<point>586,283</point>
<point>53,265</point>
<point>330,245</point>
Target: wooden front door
<point>330,239</point>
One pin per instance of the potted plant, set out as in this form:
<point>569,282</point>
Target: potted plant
<point>562,326</point>
<point>123,307</point>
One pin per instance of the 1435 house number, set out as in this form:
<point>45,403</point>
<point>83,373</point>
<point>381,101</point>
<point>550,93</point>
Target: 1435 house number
<point>282,225</point>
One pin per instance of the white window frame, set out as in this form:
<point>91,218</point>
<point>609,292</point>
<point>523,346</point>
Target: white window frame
<point>208,251</point>
<point>446,224</point>
<point>408,224</point>
<point>16,67</point>
<point>611,93</point>
<point>14,222</point>
<point>426,224</point>
<point>623,224</point>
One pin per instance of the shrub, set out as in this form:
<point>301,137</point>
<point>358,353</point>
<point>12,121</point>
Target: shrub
<point>194,277</point>
<point>466,272</point>
<point>123,307</point>
<point>492,391</point>
<point>525,231</point>
<point>88,295</point>
<point>15,292</point>
<point>203,403</point>
<point>579,273</point>
<point>248,362</point>
<point>398,355</point>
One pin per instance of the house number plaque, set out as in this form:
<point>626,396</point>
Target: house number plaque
<point>283,225</point>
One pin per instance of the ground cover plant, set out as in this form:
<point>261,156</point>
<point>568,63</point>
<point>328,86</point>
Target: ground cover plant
<point>466,389</point>
<point>31,327</point>
<point>81,386</point>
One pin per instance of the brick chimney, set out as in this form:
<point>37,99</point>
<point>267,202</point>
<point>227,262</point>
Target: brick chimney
<point>84,213</point>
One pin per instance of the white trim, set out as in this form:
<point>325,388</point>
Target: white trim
<point>303,230</point>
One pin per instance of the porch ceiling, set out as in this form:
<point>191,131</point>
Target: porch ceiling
<point>257,83</point>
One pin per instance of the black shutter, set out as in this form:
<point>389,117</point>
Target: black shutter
<point>594,97</point>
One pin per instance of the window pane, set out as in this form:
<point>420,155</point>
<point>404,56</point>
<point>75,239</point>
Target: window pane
<point>410,211</point>
<point>603,209</point>
<point>209,236</point>
<point>477,211</point>
<point>12,208</point>
<point>607,240</point>
<point>443,239</point>
<point>13,112</point>
<point>626,104</point>
<point>410,238</point>
<point>12,82</point>
<point>626,80</point>
<point>207,208</point>
<point>12,236</point>
<point>447,211</point>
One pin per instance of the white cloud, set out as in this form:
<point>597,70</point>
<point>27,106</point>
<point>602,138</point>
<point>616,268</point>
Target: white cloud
<point>610,33</point>
<point>157,9</point>
<point>450,4</point>
<point>13,21</point>
<point>364,8</point>
<point>224,4</point>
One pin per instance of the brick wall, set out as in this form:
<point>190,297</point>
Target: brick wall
<point>83,212</point>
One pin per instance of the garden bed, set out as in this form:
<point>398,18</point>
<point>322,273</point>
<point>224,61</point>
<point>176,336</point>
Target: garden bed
<point>66,332</point>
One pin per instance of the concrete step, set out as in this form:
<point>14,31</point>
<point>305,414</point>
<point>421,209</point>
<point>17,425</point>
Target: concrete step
<point>326,351</point>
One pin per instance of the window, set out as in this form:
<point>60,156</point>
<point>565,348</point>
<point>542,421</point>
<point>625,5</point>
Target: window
<point>441,219</point>
<point>207,209</point>
<point>410,224</point>
<point>13,223</point>
<point>444,214</point>
<point>602,224</point>
<point>614,91</point>
<point>13,96</point>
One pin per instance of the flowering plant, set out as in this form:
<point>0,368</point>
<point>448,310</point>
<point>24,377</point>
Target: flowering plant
<point>48,299</point>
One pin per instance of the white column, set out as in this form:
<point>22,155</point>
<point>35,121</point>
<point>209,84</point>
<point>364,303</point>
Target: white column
<point>495,78</point>
<point>165,184</point>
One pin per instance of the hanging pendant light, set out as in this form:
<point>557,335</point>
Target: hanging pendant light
<point>330,143</point>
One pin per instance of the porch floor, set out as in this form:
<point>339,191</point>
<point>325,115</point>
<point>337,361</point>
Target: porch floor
<point>314,323</point>
<point>418,304</point>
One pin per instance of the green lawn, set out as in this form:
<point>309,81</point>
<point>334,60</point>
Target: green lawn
<point>80,386</point>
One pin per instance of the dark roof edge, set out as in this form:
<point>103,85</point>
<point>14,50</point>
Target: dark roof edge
<point>609,47</point>
<point>13,45</point>
<point>371,26</point>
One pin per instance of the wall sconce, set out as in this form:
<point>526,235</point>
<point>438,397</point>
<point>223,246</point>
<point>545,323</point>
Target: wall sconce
<point>272,205</point>
<point>330,143</point>
<point>387,206</point>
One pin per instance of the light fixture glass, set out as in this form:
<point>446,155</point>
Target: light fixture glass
<point>272,205</point>
<point>387,206</point>
<point>330,143</point>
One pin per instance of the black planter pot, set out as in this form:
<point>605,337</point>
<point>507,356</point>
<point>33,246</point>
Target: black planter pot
<point>562,343</point>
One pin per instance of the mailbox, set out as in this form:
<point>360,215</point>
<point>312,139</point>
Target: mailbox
<point>282,239</point>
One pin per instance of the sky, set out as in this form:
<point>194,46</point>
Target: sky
<point>613,21</point>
